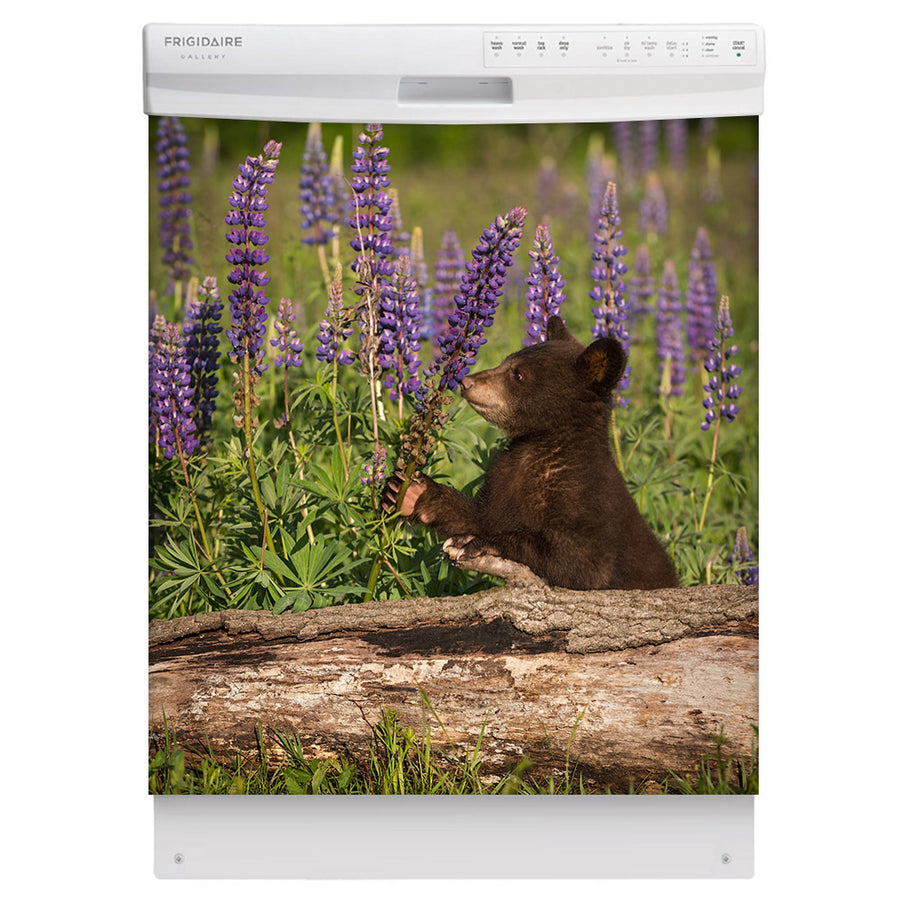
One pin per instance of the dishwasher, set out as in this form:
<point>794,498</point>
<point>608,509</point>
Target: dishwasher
<point>453,434</point>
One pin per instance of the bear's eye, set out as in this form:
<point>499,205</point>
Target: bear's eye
<point>518,376</point>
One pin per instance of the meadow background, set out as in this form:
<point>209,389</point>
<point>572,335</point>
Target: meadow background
<point>320,521</point>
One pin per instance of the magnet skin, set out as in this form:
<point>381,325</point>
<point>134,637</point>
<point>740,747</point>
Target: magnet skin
<point>553,499</point>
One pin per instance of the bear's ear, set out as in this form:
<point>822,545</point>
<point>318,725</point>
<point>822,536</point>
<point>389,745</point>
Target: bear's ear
<point>557,331</point>
<point>602,365</point>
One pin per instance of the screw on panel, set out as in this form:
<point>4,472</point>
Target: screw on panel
<point>726,858</point>
<point>179,859</point>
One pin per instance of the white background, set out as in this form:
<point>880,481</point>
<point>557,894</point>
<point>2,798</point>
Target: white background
<point>74,661</point>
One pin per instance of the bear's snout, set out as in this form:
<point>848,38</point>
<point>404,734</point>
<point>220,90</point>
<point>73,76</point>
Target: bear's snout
<point>467,384</point>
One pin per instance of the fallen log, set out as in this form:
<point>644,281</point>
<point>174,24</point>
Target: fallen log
<point>627,684</point>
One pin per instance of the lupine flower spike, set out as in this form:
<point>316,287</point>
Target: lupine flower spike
<point>419,270</point>
<point>171,394</point>
<point>156,332</point>
<point>248,298</point>
<point>201,329</point>
<point>288,347</point>
<point>643,285</point>
<point>479,295</point>
<point>370,225</point>
<point>449,269</point>
<point>700,300</point>
<point>400,322</point>
<point>172,408</point>
<point>374,472</point>
<point>317,196</point>
<point>611,311</point>
<point>669,336</point>
<point>649,137</point>
<point>319,209</point>
<point>653,213</point>
<point>677,143</point>
<point>336,328</point>
<point>545,285</point>
<point>721,388</point>
<point>623,137</point>
<point>174,166</point>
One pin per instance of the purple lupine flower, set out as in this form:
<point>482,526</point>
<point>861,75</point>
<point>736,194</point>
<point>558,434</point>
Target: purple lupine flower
<point>201,331</point>
<point>318,199</point>
<point>623,137</point>
<point>642,285</point>
<point>721,387</point>
<point>248,298</point>
<point>374,472</point>
<point>611,312</point>
<point>649,138</point>
<point>704,256</point>
<point>475,304</point>
<point>336,327</point>
<point>370,205</point>
<point>545,286</point>
<point>449,269</point>
<point>171,394</point>
<point>742,557</point>
<point>669,337</point>
<point>288,345</point>
<point>599,170</point>
<point>547,188</point>
<point>157,329</point>
<point>401,237</point>
<point>419,270</point>
<point>371,225</point>
<point>174,166</point>
<point>700,300</point>
<point>479,295</point>
<point>677,143</point>
<point>399,324</point>
<point>653,211</point>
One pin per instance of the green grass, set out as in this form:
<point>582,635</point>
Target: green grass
<point>401,760</point>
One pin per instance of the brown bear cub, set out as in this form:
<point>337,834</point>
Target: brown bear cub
<point>553,499</point>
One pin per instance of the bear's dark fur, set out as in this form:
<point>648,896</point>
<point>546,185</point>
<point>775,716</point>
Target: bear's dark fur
<point>553,499</point>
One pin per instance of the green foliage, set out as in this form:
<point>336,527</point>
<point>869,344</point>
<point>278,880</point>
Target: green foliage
<point>314,533</point>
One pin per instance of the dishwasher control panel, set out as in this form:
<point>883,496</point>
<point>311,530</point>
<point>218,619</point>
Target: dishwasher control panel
<point>620,48</point>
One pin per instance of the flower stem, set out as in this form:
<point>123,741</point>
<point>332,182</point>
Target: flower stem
<point>190,490</point>
<point>337,424</point>
<point>709,481</point>
<point>617,445</point>
<point>323,264</point>
<point>391,523</point>
<point>248,436</point>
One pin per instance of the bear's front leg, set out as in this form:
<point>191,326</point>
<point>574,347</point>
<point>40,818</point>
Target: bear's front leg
<point>442,508</point>
<point>478,555</point>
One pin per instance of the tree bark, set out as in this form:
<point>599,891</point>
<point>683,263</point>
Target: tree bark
<point>628,685</point>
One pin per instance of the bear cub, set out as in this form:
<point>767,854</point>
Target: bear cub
<point>553,499</point>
